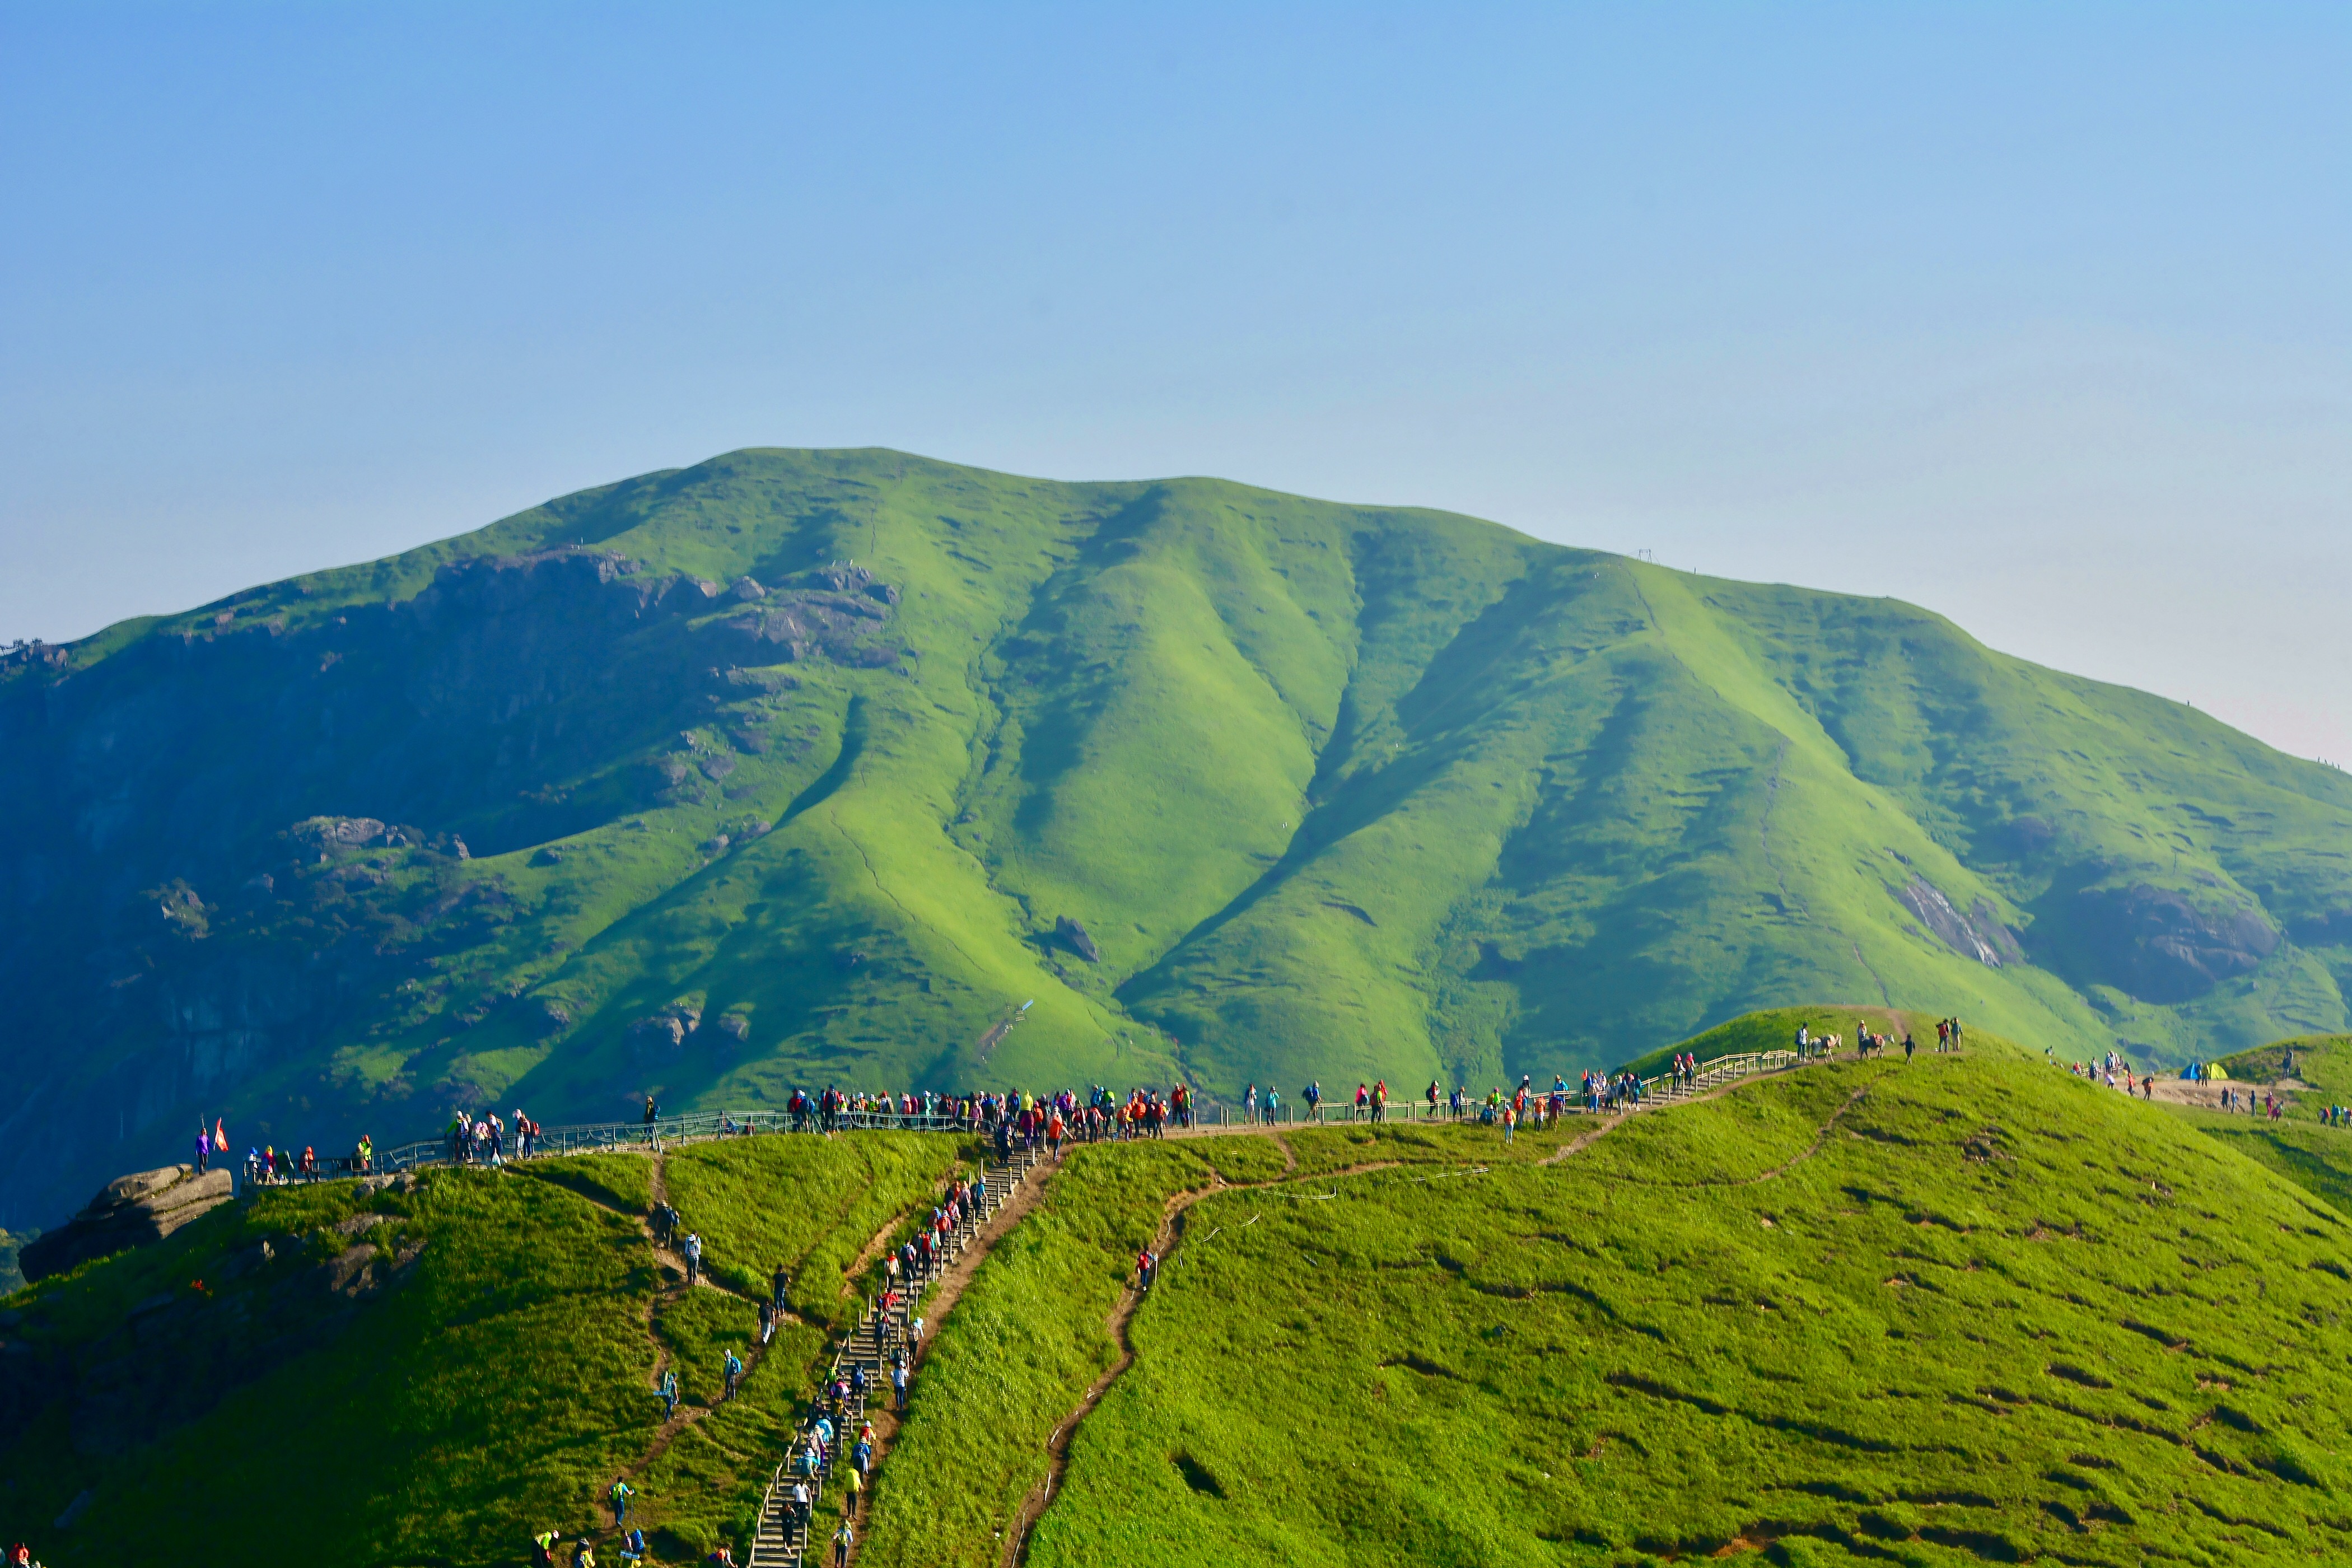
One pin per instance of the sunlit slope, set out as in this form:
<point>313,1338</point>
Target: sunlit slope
<point>1948,1311</point>
<point>788,768</point>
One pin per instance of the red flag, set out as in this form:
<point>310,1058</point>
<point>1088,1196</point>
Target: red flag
<point>220,1137</point>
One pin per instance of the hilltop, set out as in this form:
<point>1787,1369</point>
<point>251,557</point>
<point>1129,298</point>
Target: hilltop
<point>796,767</point>
<point>1960,1309</point>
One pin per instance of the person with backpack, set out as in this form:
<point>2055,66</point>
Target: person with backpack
<point>542,1550</point>
<point>619,1494</point>
<point>584,1554</point>
<point>668,1393</point>
<point>633,1546</point>
<point>841,1540</point>
<point>734,1370</point>
<point>693,1249</point>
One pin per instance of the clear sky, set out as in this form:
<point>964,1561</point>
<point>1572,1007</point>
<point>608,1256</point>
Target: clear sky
<point>2036,315</point>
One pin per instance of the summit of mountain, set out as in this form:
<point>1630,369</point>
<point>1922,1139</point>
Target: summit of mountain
<point>798,767</point>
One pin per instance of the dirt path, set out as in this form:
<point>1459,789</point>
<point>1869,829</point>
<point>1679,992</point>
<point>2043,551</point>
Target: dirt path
<point>671,1287</point>
<point>1171,1231</point>
<point>937,1303</point>
<point>2208,1096</point>
<point>1122,1314</point>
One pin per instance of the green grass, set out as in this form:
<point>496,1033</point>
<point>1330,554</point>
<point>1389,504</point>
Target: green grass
<point>1982,1311</point>
<point>2323,1061</point>
<point>812,1204</point>
<point>1024,1342</point>
<point>1341,792</point>
<point>496,1389</point>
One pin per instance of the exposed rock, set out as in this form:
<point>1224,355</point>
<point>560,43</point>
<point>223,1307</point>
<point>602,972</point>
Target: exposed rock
<point>129,1211</point>
<point>1074,935</point>
<point>826,621</point>
<point>718,767</point>
<point>764,680</point>
<point>708,589</point>
<point>661,1030</point>
<point>547,856</point>
<point>747,589</point>
<point>337,832</point>
<point>736,1026</point>
<point>1978,936</point>
<point>2154,944</point>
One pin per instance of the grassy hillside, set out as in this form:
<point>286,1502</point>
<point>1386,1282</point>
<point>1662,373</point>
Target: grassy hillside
<point>788,768</point>
<point>1966,1309</point>
<point>483,1373</point>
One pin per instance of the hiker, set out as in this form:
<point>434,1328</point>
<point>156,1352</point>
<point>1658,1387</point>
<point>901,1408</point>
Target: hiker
<point>1910,1046</point>
<point>693,1259</point>
<point>899,1387</point>
<point>668,1393</point>
<point>1272,1104</point>
<point>734,1373</point>
<point>1144,1265</point>
<point>1363,1100</point>
<point>633,1546</point>
<point>542,1550</point>
<point>619,1494</point>
<point>767,1321</point>
<point>854,1487</point>
<point>799,1505</point>
<point>204,1148</point>
<point>365,1153</point>
<point>1510,1121</point>
<point>841,1540</point>
<point>653,1115</point>
<point>583,1556</point>
<point>861,1457</point>
<point>1313,1095</point>
<point>780,1285</point>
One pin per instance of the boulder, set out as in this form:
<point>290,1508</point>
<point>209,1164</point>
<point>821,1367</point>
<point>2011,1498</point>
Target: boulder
<point>129,1211</point>
<point>1074,935</point>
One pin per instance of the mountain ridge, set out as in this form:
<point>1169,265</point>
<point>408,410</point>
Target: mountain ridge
<point>790,767</point>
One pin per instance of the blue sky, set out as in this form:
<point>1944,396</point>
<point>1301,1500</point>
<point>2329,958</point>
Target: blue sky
<point>2038,316</point>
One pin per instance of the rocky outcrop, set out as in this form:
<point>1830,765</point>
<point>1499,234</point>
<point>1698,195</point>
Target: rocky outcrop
<point>2154,944</point>
<point>129,1211</point>
<point>1978,935</point>
<point>832,617</point>
<point>1073,935</point>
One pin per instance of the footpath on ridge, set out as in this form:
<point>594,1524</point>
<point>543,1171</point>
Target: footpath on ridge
<point>886,1325</point>
<point>1709,1080</point>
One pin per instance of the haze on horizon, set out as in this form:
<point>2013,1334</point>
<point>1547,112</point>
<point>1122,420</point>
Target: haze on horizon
<point>2034,317</point>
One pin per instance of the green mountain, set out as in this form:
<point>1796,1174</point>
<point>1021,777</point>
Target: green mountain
<point>808,767</point>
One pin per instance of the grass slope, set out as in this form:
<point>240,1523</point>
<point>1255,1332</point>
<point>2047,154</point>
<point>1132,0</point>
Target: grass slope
<point>1335,791</point>
<point>492,1387</point>
<point>1965,1309</point>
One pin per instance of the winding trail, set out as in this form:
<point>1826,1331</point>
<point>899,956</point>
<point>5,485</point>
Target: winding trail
<point>670,1287</point>
<point>1173,1219</point>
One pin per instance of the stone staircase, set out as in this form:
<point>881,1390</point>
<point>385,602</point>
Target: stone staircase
<point>782,1540</point>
